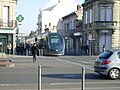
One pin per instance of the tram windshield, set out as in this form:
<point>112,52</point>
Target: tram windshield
<point>56,42</point>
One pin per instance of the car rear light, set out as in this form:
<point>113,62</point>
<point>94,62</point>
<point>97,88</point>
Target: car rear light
<point>106,62</point>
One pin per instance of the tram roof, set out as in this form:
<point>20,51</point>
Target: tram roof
<point>42,35</point>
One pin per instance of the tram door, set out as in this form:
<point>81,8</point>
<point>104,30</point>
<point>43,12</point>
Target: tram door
<point>3,44</point>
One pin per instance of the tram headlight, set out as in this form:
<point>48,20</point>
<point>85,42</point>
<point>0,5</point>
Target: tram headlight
<point>57,50</point>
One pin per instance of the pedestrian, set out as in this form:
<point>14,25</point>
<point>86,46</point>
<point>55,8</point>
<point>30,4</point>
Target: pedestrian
<point>9,46</point>
<point>34,51</point>
<point>103,48</point>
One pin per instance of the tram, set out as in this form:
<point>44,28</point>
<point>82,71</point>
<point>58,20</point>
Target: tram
<point>51,44</point>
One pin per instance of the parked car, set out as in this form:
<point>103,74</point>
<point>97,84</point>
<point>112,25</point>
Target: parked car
<point>108,63</point>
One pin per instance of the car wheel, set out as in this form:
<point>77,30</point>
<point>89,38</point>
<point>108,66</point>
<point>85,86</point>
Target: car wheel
<point>114,73</point>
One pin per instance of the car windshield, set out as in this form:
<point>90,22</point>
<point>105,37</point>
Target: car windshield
<point>106,55</point>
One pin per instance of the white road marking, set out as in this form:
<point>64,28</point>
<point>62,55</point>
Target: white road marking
<point>102,88</point>
<point>74,83</point>
<point>13,85</point>
<point>86,88</point>
<point>75,63</point>
<point>22,89</point>
<point>91,88</point>
<point>8,84</point>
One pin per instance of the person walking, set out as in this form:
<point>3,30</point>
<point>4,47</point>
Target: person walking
<point>34,51</point>
<point>9,46</point>
<point>103,48</point>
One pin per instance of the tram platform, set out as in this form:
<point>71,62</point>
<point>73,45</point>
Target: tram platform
<point>5,60</point>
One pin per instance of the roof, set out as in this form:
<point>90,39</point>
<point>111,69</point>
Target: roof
<point>73,13</point>
<point>53,3</point>
<point>49,8</point>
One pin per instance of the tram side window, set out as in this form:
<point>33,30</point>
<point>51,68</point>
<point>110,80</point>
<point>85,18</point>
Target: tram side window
<point>41,43</point>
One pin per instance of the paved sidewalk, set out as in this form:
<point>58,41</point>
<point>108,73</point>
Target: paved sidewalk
<point>5,60</point>
<point>3,55</point>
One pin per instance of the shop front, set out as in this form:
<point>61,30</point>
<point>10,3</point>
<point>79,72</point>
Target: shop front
<point>73,43</point>
<point>5,40</point>
<point>7,37</point>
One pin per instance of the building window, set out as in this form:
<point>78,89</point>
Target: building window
<point>45,26</point>
<point>68,27</point>
<point>65,27</point>
<point>74,23</point>
<point>86,17</point>
<point>105,13</point>
<point>90,15</point>
<point>5,14</point>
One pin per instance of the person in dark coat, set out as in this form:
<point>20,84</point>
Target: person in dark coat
<point>34,51</point>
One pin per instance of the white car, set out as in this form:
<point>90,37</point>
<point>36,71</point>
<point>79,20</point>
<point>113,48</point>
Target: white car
<point>108,63</point>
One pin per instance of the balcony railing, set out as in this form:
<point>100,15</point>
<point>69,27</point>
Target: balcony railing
<point>102,25</point>
<point>105,24</point>
<point>8,23</point>
<point>89,25</point>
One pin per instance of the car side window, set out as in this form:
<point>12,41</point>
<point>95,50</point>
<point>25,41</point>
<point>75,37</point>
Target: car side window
<point>118,55</point>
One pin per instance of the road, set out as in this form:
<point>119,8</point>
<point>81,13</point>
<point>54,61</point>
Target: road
<point>58,73</point>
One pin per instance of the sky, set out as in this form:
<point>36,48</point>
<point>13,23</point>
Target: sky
<point>29,9</point>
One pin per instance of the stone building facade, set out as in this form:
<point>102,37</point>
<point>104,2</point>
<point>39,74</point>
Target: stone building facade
<point>8,24</point>
<point>101,21</point>
<point>50,14</point>
<point>70,26</point>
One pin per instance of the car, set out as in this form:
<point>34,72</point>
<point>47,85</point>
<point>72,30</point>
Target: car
<point>108,64</point>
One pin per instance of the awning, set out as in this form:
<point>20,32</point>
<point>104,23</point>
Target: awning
<point>7,31</point>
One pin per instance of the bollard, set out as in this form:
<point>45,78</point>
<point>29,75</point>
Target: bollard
<point>90,51</point>
<point>39,77</point>
<point>83,78</point>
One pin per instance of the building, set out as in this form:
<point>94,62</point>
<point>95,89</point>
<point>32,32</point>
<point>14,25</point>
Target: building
<point>7,24</point>
<point>101,24</point>
<point>52,12</point>
<point>31,37</point>
<point>71,27</point>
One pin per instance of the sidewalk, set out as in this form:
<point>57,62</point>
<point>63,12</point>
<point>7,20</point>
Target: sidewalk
<point>12,56</point>
<point>5,60</point>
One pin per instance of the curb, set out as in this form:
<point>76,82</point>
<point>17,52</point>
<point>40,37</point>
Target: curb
<point>6,62</point>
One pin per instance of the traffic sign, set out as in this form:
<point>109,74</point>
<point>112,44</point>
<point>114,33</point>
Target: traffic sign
<point>20,18</point>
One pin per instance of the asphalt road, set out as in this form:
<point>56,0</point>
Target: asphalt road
<point>58,73</point>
